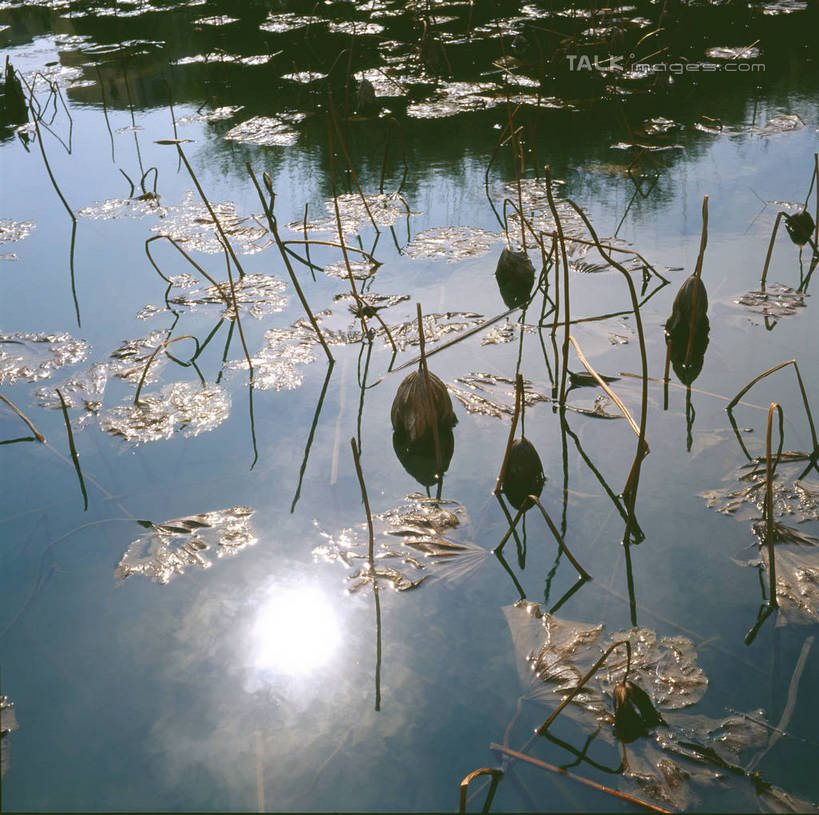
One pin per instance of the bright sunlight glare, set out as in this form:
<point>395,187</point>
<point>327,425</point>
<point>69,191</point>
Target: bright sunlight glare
<point>296,631</point>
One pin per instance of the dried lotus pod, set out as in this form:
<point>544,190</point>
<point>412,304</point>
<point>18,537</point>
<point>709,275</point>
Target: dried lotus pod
<point>688,370</point>
<point>415,409</point>
<point>523,475</point>
<point>691,296</point>
<point>800,227</point>
<point>516,276</point>
<point>634,713</point>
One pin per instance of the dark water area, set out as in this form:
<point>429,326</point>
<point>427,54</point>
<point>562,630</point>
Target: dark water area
<point>194,613</point>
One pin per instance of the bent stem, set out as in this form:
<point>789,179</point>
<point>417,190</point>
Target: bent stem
<point>190,260</point>
<point>496,774</point>
<point>161,347</point>
<point>592,671</point>
<point>34,430</point>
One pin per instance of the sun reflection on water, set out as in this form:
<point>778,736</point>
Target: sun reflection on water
<point>296,631</point>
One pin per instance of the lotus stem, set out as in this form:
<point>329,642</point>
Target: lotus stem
<point>25,418</point>
<point>698,276</point>
<point>74,457</point>
<point>365,500</point>
<point>512,428</point>
<point>496,774</point>
<point>779,216</point>
<point>161,347</point>
<point>770,524</point>
<point>190,260</point>
<point>559,538</point>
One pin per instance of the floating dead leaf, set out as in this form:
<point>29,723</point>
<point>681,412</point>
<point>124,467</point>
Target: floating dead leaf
<point>783,7</point>
<point>453,243</point>
<point>123,208</point>
<point>500,334</point>
<point>420,534</point>
<point>29,357</point>
<point>11,231</point>
<point>279,23</point>
<point>184,407</point>
<point>191,224</point>
<point>304,77</point>
<point>218,20</point>
<point>776,300</point>
<point>787,123</point>
<point>797,582</point>
<point>83,392</point>
<point>490,395</point>
<point>386,209</point>
<point>170,547</point>
<point>452,98</point>
<point>267,131</point>
<point>275,365</point>
<point>535,199</point>
<point>359,269</point>
<point>129,360</point>
<point>736,52</point>
<point>256,294</point>
<point>354,28</point>
<point>216,115</point>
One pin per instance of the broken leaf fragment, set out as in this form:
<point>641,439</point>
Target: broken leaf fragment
<point>173,546</point>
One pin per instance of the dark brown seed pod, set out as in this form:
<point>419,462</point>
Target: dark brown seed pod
<point>516,276</point>
<point>688,371</point>
<point>634,713</point>
<point>523,475</point>
<point>800,227</point>
<point>691,296</point>
<point>365,100</point>
<point>415,409</point>
<point>419,459</point>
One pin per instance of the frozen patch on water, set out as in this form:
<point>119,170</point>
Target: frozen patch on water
<point>490,395</point>
<point>776,300</point>
<point>279,23</point>
<point>453,243</point>
<point>305,77</point>
<point>180,406</point>
<point>216,21</point>
<point>452,98</point>
<point>191,224</point>
<point>725,52</point>
<point>11,231</point>
<point>354,28</point>
<point>385,208</point>
<point>360,269</point>
<point>256,294</point>
<point>29,357</point>
<point>123,208</point>
<point>129,360</point>
<point>787,123</point>
<point>216,115</point>
<point>170,547</point>
<point>267,131</point>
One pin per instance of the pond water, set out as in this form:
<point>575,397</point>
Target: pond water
<point>189,616</point>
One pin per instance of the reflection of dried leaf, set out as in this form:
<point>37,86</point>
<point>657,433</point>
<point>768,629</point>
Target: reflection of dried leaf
<point>129,360</point>
<point>83,391</point>
<point>30,357</point>
<point>455,243</point>
<point>14,230</point>
<point>451,98</point>
<point>499,398</point>
<point>781,124</point>
<point>181,406</point>
<point>797,583</point>
<point>174,545</point>
<point>386,209</point>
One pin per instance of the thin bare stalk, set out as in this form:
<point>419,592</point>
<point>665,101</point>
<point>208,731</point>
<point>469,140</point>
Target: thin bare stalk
<point>512,428</point>
<point>496,774</point>
<point>430,397</point>
<point>105,110</point>
<point>213,215</point>
<point>614,397</point>
<point>577,688</point>
<point>536,762</point>
<point>365,500</point>
<point>311,242</point>
<point>190,260</point>
<point>559,538</point>
<point>48,166</point>
<point>293,279</point>
<point>74,457</point>
<point>34,430</point>
<point>698,276</point>
<point>779,216</point>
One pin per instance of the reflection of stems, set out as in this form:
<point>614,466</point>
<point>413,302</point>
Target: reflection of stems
<point>25,418</point>
<point>48,166</point>
<point>71,268</point>
<point>190,260</point>
<point>226,247</point>
<point>275,232</point>
<point>366,501</point>
<point>105,110</point>
<point>310,437</point>
<point>73,449</point>
<point>252,423</point>
<point>559,538</point>
<point>632,597</point>
<point>591,672</point>
<point>377,597</point>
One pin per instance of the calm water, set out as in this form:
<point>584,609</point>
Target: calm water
<point>254,683</point>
